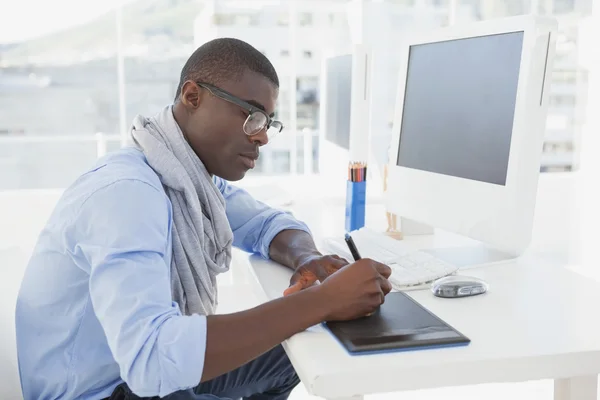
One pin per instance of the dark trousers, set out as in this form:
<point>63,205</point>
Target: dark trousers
<point>269,377</point>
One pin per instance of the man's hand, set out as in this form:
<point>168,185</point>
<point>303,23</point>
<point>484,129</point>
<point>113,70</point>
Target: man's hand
<point>357,290</point>
<point>315,268</point>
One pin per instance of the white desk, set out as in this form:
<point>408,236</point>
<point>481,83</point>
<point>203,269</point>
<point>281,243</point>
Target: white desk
<point>540,320</point>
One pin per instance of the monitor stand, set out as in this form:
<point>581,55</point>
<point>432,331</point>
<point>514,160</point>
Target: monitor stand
<point>476,255</point>
<point>472,254</point>
<point>410,227</point>
<point>407,227</point>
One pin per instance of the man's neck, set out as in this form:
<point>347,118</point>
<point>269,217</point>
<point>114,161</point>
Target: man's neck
<point>180,118</point>
<point>180,115</point>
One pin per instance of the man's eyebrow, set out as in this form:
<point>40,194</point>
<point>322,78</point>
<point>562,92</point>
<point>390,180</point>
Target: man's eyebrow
<point>258,105</point>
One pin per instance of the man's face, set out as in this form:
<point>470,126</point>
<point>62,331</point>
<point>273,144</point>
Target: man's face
<point>215,126</point>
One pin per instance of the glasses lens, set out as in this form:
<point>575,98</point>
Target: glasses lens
<point>255,123</point>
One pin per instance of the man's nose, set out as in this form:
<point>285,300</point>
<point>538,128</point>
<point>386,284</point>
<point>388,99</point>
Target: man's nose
<point>260,138</point>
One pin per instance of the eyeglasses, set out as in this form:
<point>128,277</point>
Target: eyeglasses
<point>257,119</point>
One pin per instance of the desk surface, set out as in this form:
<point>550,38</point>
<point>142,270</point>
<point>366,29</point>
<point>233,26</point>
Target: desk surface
<point>539,320</point>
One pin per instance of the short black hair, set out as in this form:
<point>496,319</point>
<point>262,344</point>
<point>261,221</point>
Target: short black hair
<point>225,59</point>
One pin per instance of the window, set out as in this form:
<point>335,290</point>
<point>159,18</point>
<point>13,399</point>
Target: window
<point>76,87</point>
<point>305,19</point>
<point>409,3</point>
<point>283,19</point>
<point>564,76</point>
<point>243,20</point>
<point>331,19</point>
<point>224,19</point>
<point>556,147</point>
<point>281,160</point>
<point>235,20</point>
<point>563,6</point>
<point>562,100</point>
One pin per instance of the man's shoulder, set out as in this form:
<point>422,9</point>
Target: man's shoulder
<point>127,163</point>
<point>123,165</point>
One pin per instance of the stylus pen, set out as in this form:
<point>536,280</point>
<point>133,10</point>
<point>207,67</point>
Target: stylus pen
<point>352,247</point>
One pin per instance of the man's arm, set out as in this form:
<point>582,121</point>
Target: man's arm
<point>258,228</point>
<point>293,248</point>
<point>235,339</point>
<point>122,231</point>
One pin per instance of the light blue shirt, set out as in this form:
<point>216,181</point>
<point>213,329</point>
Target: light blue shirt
<point>95,306</point>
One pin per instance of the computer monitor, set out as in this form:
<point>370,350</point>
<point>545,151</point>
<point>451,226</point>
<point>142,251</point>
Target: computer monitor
<point>469,129</point>
<point>334,112</point>
<point>344,110</point>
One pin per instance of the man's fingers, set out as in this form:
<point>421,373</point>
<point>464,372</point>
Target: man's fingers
<point>343,260</point>
<point>300,280</point>
<point>335,265</point>
<point>328,266</point>
<point>296,287</point>
<point>383,270</point>
<point>386,286</point>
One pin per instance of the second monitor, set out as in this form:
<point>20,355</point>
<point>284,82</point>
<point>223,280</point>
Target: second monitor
<point>469,129</point>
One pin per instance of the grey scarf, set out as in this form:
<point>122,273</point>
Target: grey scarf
<point>202,236</point>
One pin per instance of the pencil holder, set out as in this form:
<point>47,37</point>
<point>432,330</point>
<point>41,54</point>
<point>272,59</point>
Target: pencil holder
<point>355,205</point>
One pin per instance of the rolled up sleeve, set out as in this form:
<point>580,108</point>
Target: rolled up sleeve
<point>158,350</point>
<point>254,223</point>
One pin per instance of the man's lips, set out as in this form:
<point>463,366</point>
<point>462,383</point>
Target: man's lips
<point>252,156</point>
<point>249,159</point>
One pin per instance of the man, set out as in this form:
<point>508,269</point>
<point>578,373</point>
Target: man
<point>119,297</point>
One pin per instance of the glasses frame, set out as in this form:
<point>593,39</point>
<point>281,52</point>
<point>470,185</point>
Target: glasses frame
<point>222,94</point>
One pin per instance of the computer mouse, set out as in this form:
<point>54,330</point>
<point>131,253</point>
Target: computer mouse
<point>458,286</point>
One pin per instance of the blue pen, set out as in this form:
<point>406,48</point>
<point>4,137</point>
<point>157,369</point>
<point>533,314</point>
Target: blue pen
<point>352,247</point>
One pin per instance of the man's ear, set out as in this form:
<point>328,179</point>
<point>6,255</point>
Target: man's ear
<point>191,95</point>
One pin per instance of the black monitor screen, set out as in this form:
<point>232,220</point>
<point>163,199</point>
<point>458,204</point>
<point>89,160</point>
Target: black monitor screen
<point>459,107</point>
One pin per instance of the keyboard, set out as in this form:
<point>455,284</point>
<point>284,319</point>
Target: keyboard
<point>409,267</point>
